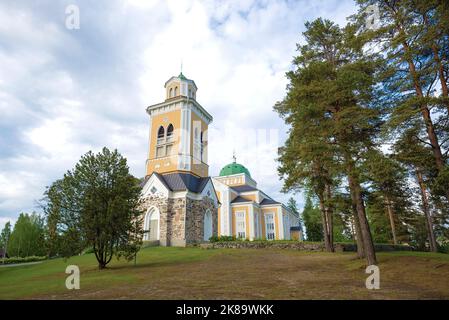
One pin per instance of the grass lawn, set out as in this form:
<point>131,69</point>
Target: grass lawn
<point>194,273</point>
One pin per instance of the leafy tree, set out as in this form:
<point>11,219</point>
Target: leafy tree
<point>97,204</point>
<point>5,236</point>
<point>312,221</point>
<point>27,237</point>
<point>293,206</point>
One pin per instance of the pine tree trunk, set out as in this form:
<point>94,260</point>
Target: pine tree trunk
<point>330,218</point>
<point>425,205</point>
<point>391,217</point>
<point>358,231</point>
<point>430,128</point>
<point>323,210</point>
<point>368,245</point>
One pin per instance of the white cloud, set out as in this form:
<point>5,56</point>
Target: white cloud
<point>65,92</point>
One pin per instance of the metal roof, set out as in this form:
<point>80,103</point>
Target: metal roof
<point>244,188</point>
<point>240,199</point>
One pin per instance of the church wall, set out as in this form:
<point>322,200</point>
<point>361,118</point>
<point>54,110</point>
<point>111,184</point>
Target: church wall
<point>194,223</point>
<point>171,222</point>
<point>234,226</point>
<point>169,162</point>
<point>199,167</point>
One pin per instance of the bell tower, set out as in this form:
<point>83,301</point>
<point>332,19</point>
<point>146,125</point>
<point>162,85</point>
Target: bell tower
<point>178,131</point>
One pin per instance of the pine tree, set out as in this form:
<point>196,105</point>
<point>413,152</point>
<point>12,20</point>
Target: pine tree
<point>328,105</point>
<point>412,37</point>
<point>312,221</point>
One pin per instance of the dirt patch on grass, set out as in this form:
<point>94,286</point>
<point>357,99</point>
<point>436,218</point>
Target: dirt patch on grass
<point>275,274</point>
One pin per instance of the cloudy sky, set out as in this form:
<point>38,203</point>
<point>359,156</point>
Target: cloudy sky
<point>66,91</point>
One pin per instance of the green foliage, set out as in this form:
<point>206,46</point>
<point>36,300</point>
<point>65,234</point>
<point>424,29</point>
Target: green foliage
<point>311,217</point>
<point>97,204</point>
<point>27,237</point>
<point>222,238</point>
<point>5,235</point>
<point>12,260</point>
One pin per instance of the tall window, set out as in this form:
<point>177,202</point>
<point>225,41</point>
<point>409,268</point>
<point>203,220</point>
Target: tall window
<point>164,145</point>
<point>171,93</point>
<point>170,133</point>
<point>160,135</point>
<point>201,146</point>
<point>176,91</point>
<point>269,226</point>
<point>240,224</point>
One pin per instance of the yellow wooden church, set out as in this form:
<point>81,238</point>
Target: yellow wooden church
<point>183,204</point>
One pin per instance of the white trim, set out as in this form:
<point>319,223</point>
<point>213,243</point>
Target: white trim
<point>151,212</point>
<point>211,223</point>
<point>154,181</point>
<point>281,224</point>
<point>251,223</point>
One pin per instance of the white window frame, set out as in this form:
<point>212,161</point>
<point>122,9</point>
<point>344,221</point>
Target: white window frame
<point>272,215</point>
<point>238,232</point>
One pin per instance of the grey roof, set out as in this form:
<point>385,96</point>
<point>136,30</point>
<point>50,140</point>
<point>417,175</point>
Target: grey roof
<point>240,199</point>
<point>184,181</point>
<point>296,228</point>
<point>268,201</point>
<point>244,188</point>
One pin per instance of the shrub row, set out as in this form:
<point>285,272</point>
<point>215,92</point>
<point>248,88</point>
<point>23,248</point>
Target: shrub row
<point>21,260</point>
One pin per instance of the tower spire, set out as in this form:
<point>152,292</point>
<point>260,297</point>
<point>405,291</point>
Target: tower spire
<point>234,158</point>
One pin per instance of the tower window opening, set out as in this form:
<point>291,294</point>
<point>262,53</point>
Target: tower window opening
<point>171,93</point>
<point>160,135</point>
<point>201,146</point>
<point>176,91</point>
<point>170,130</point>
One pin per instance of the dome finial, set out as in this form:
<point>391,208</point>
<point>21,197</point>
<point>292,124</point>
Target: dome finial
<point>234,158</point>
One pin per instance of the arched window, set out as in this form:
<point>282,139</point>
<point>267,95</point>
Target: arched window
<point>176,91</point>
<point>171,93</point>
<point>202,145</point>
<point>151,225</point>
<point>170,130</point>
<point>160,134</point>
<point>190,93</point>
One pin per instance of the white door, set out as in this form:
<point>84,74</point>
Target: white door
<point>207,226</point>
<point>269,226</point>
<point>151,225</point>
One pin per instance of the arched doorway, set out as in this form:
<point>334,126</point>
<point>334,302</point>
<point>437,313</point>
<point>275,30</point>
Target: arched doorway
<point>151,225</point>
<point>207,224</point>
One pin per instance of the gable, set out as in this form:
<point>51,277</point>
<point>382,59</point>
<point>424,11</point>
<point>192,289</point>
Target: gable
<point>154,186</point>
<point>209,191</point>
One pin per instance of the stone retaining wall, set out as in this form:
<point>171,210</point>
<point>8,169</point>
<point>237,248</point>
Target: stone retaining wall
<point>303,246</point>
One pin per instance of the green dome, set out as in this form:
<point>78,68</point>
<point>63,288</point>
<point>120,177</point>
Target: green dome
<point>233,168</point>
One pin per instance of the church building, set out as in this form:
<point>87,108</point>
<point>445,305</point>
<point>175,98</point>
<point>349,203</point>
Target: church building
<point>183,204</point>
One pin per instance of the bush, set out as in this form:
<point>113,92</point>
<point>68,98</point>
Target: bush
<point>222,238</point>
<point>22,260</point>
<point>443,247</point>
